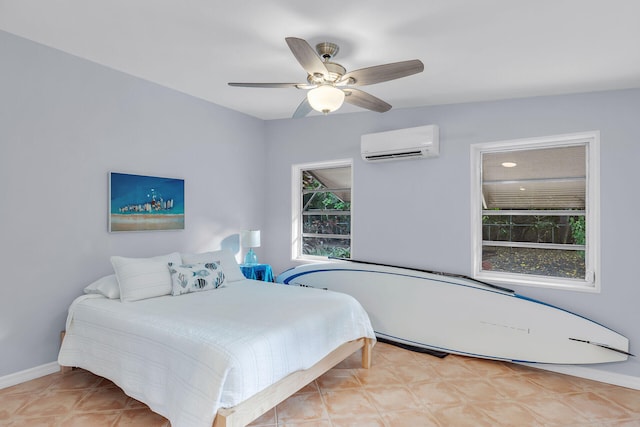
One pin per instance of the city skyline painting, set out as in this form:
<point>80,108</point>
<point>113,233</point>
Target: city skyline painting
<point>144,203</point>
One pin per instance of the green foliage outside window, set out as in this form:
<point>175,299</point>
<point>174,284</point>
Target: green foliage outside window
<point>553,229</point>
<point>534,228</point>
<point>578,229</point>
<point>321,218</point>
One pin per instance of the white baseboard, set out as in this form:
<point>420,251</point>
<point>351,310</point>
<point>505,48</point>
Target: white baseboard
<point>29,374</point>
<point>621,380</point>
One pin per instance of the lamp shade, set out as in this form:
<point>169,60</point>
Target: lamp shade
<point>325,98</point>
<point>250,238</point>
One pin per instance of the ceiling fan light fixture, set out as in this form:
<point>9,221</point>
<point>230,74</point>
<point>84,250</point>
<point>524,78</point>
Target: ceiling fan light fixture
<point>325,98</point>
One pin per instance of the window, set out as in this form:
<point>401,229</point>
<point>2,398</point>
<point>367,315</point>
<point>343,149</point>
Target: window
<point>321,225</point>
<point>535,211</point>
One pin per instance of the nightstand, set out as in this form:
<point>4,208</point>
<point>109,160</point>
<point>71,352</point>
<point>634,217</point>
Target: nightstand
<point>257,272</point>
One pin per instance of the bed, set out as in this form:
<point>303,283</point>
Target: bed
<point>221,357</point>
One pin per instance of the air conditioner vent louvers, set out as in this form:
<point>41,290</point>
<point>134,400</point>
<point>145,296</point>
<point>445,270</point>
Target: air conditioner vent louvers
<point>410,143</point>
<point>394,155</point>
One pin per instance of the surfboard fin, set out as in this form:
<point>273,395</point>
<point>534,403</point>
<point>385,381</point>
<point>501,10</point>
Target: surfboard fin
<point>436,353</point>
<point>608,347</point>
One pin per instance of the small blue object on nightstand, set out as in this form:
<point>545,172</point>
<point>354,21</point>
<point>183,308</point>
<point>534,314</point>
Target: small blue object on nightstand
<point>257,272</point>
<point>250,239</point>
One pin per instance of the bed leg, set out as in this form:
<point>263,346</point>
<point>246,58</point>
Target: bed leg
<point>366,353</point>
<point>220,421</point>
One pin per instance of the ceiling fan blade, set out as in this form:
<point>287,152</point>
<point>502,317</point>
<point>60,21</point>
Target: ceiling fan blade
<point>273,85</point>
<point>307,57</point>
<point>383,73</point>
<point>303,109</point>
<point>365,100</point>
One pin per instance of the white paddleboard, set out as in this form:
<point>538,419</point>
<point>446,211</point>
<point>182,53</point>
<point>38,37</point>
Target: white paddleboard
<point>455,314</point>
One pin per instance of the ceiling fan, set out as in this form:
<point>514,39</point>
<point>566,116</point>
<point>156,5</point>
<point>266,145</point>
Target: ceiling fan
<point>329,84</point>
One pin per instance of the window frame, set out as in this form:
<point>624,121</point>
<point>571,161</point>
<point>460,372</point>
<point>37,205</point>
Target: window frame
<point>296,203</point>
<point>591,141</point>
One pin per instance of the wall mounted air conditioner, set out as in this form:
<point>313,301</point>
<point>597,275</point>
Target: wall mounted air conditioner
<point>410,143</point>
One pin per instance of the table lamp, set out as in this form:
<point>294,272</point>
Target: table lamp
<point>250,239</point>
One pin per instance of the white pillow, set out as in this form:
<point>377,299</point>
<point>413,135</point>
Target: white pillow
<point>140,278</point>
<point>223,257</point>
<point>188,278</point>
<point>107,286</point>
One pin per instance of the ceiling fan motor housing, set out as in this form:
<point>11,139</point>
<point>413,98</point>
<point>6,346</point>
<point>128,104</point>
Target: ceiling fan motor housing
<point>327,50</point>
<point>336,71</point>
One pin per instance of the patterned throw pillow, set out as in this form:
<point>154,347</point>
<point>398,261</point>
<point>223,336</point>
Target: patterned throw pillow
<point>224,257</point>
<point>198,277</point>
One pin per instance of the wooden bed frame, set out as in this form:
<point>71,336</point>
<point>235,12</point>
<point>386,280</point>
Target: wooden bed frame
<point>247,411</point>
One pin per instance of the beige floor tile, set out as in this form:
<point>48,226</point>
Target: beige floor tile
<point>106,383</point>
<point>11,403</point>
<point>627,398</point>
<point>478,390</point>
<point>487,368</point>
<point>395,355</point>
<point>510,413</point>
<point>554,382</point>
<point>34,422</point>
<point>312,387</point>
<point>410,418</point>
<point>635,422</point>
<point>91,419</point>
<point>34,386</point>
<point>401,389</point>
<point>520,369</point>
<point>135,404</point>
<point>302,407</point>
<point>392,398</point>
<point>441,393</point>
<point>415,372</point>
<point>377,376</point>
<point>594,407</point>
<point>103,399</point>
<point>358,420</point>
<point>140,417</point>
<point>450,368</point>
<point>77,379</point>
<point>52,403</point>
<point>554,410</point>
<point>338,379</point>
<point>344,403</point>
<point>354,361</point>
<point>461,416</point>
<point>317,423</point>
<point>517,387</point>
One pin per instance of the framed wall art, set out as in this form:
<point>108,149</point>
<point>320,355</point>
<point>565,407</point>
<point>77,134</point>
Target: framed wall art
<point>143,203</point>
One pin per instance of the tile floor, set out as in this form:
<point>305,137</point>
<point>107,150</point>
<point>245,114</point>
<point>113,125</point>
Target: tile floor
<point>401,389</point>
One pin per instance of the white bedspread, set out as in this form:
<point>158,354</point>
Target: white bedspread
<point>186,356</point>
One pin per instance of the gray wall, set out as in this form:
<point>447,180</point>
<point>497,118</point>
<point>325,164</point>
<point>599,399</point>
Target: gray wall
<point>64,124</point>
<point>417,213</point>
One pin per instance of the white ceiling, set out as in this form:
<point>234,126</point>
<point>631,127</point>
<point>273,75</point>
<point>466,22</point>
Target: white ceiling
<point>473,50</point>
